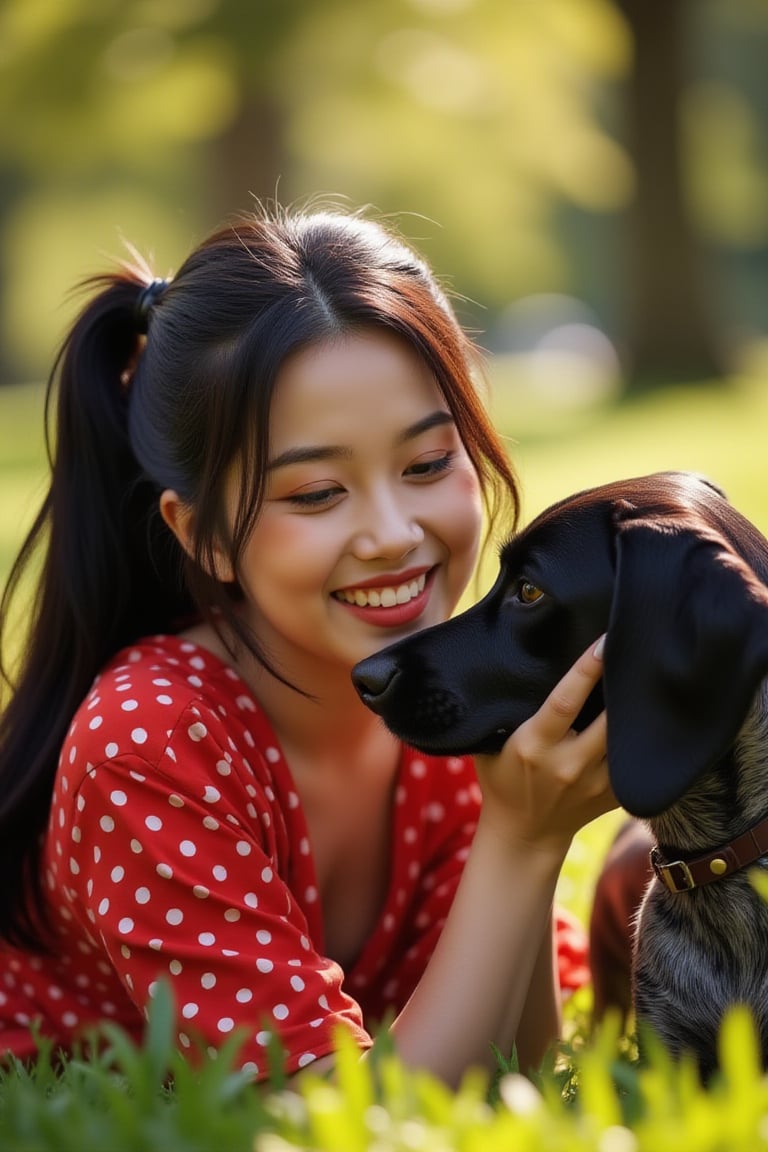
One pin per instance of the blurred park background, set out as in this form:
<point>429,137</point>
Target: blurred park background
<point>588,177</point>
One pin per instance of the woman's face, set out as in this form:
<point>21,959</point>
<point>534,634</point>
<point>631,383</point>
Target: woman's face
<point>372,516</point>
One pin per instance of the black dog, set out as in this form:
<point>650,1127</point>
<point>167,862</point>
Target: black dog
<point>677,578</point>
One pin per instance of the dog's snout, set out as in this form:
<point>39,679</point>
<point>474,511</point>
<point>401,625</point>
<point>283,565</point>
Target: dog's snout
<point>374,677</point>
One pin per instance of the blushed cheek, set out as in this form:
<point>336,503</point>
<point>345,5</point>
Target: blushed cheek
<point>466,524</point>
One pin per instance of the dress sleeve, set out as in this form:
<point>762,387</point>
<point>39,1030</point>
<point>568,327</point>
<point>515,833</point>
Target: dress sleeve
<point>182,872</point>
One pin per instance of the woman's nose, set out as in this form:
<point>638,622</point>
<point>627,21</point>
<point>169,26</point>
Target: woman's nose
<point>391,531</point>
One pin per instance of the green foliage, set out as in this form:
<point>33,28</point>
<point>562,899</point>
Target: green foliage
<point>594,1095</point>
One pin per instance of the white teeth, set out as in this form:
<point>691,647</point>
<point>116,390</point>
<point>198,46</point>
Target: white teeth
<point>383,597</point>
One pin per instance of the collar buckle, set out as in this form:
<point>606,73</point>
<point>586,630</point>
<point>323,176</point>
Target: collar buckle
<point>676,875</point>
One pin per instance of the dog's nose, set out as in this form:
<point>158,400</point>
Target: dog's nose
<point>374,677</point>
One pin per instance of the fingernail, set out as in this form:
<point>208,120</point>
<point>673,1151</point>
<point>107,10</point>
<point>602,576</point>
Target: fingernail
<point>597,651</point>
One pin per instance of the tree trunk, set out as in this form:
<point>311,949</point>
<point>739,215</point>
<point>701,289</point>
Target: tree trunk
<point>247,163</point>
<point>670,328</point>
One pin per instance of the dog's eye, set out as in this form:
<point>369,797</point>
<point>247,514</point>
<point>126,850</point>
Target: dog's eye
<point>528,592</point>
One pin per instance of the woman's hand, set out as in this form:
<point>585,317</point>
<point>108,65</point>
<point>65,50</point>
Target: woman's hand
<point>548,781</point>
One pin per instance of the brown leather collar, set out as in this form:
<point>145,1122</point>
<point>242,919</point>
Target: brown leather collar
<point>683,875</point>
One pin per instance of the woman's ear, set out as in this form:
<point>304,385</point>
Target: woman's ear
<point>180,519</point>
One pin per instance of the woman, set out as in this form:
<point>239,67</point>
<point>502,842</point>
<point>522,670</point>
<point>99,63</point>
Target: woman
<point>265,470</point>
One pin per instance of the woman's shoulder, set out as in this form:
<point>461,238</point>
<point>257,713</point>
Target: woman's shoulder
<point>160,690</point>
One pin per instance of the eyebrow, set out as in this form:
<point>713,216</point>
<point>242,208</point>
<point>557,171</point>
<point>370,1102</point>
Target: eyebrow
<point>311,452</point>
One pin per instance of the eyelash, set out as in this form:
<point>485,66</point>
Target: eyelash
<point>320,498</point>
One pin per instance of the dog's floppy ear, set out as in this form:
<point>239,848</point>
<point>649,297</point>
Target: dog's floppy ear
<point>687,646</point>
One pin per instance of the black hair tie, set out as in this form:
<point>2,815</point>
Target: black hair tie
<point>147,298</point>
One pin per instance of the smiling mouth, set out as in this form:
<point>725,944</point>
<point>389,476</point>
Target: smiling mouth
<point>388,596</point>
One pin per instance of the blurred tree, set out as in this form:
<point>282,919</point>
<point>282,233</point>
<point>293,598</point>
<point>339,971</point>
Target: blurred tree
<point>476,122</point>
<point>670,324</point>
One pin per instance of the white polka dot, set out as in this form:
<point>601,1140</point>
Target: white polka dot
<point>139,735</point>
<point>219,872</point>
<point>165,871</point>
<point>175,801</point>
<point>129,705</point>
<point>175,967</point>
<point>95,722</point>
<point>208,980</point>
<point>264,936</point>
<point>263,1038</point>
<point>125,925</point>
<point>197,731</point>
<point>297,984</point>
<point>251,899</point>
<point>117,874</point>
<point>111,750</point>
<point>187,848</point>
<point>244,996</point>
<point>201,891</point>
<point>107,824</point>
<point>264,965</point>
<point>211,794</point>
<point>174,915</point>
<point>206,939</point>
<point>243,848</point>
<point>103,907</point>
<point>266,875</point>
<point>161,682</point>
<point>142,896</point>
<point>156,944</point>
<point>280,1011</point>
<point>189,1010</point>
<point>154,823</point>
<point>164,699</point>
<point>232,915</point>
<point>272,754</point>
<point>306,1058</point>
<point>223,768</point>
<point>136,846</point>
<point>226,1024</point>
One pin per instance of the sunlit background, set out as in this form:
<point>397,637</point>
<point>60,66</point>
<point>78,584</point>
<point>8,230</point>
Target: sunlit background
<point>590,176</point>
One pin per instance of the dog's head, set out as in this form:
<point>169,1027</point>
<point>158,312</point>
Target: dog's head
<point>675,576</point>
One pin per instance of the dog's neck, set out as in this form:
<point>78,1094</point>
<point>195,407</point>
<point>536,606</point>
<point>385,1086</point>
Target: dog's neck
<point>682,875</point>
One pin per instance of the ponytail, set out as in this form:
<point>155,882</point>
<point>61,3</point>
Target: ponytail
<point>109,573</point>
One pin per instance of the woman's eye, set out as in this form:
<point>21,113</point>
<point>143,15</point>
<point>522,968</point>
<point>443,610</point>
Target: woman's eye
<point>529,593</point>
<point>316,498</point>
<point>432,466</point>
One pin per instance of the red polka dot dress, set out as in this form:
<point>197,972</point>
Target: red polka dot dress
<point>177,848</point>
